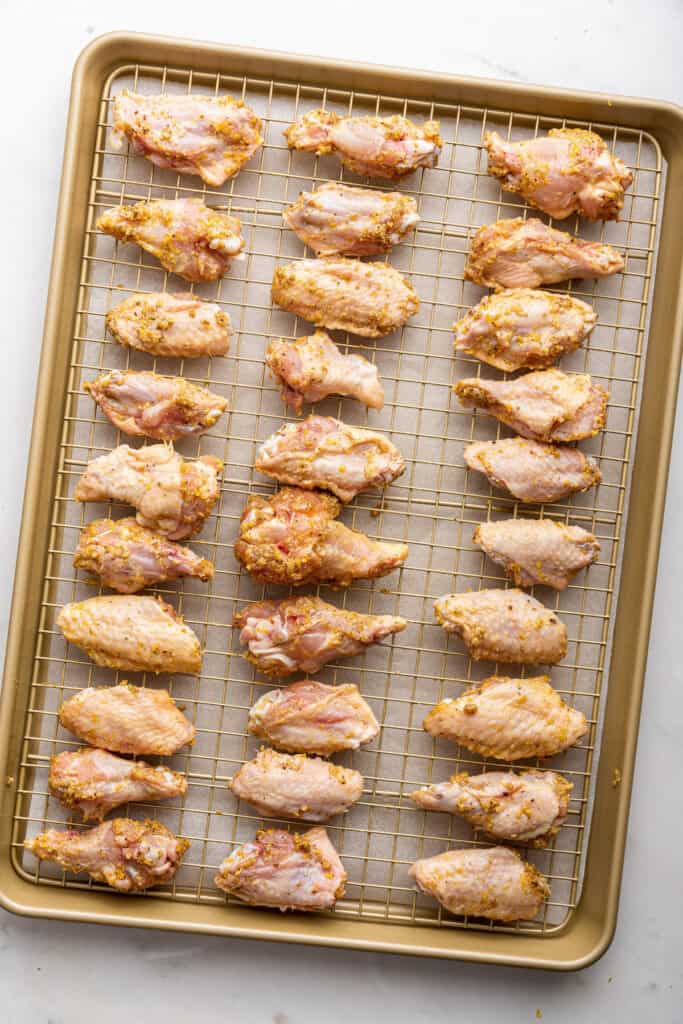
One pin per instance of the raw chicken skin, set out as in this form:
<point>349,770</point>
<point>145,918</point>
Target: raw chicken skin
<point>378,147</point>
<point>136,633</point>
<point>186,236</point>
<point>567,171</point>
<point>171,494</point>
<point>494,883</point>
<point>296,786</point>
<point>313,718</point>
<point>509,719</point>
<point>514,808</point>
<point>301,634</point>
<point>127,557</point>
<point>531,471</point>
<point>130,856</point>
<point>293,538</point>
<point>338,220</point>
<point>522,253</point>
<point>324,452</point>
<point>369,299</point>
<point>504,625</point>
<point>312,368</point>
<point>211,136</point>
<point>127,719</point>
<point>95,781</point>
<point>176,325</point>
<point>524,328</point>
<point>537,551</point>
<point>290,871</point>
<point>148,405</point>
<point>544,406</point>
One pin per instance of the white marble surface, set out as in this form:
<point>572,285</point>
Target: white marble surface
<point>54,973</point>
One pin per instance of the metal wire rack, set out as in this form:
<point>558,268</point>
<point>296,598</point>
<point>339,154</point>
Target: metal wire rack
<point>433,507</point>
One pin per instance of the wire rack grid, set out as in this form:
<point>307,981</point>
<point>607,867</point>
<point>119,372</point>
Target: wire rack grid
<point>434,506</point>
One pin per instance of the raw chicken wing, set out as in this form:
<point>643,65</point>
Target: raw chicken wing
<point>531,471</point>
<point>537,551</point>
<point>312,368</point>
<point>289,871</point>
<point>301,634</point>
<point>176,325</point>
<point>522,253</point>
<point>186,236</point>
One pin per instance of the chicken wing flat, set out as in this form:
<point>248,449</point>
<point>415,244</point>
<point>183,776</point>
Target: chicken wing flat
<point>127,557</point>
<point>293,538</point>
<point>369,299</point>
<point>301,634</point>
<point>136,633</point>
<point>128,855</point>
<point>513,808</point>
<point>494,883</point>
<point>547,405</point>
<point>186,236</point>
<point>378,147</point>
<point>531,471</point>
<point>312,718</point>
<point>148,405</point>
<point>504,625</point>
<point>289,871</point>
<point>522,253</point>
<point>567,171</point>
<point>176,325</point>
<point>324,452</point>
<point>537,551</point>
<point>338,220</point>
<point>296,786</point>
<point>509,719</point>
<point>524,328</point>
<point>127,719</point>
<point>171,495</point>
<point>312,368</point>
<point>211,136</point>
<point>95,781</point>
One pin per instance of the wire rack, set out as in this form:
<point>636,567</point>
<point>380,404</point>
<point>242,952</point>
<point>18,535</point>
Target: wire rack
<point>433,507</point>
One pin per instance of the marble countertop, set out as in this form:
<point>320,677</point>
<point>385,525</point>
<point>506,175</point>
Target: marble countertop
<point>55,973</point>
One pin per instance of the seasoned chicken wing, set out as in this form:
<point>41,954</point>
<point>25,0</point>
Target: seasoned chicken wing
<point>379,147</point>
<point>567,171</point>
<point>211,136</point>
<point>290,871</point>
<point>186,236</point>
<point>509,719</point>
<point>524,328</point>
<point>176,325</point>
<point>522,253</point>
<point>370,299</point>
<point>293,538</point>
<point>148,405</point>
<point>338,220</point>
<point>312,368</point>
<point>513,808</point>
<point>95,781</point>
<point>313,718</point>
<point>545,406</point>
<point>136,633</point>
<point>296,786</point>
<point>324,452</point>
<point>504,625</point>
<point>128,855</point>
<point>171,495</point>
<point>539,551</point>
<point>127,719</point>
<point>128,558</point>
<point>494,883</point>
<point>301,634</point>
<point>531,471</point>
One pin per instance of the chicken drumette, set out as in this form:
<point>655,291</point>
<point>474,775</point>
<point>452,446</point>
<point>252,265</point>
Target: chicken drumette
<point>531,471</point>
<point>176,325</point>
<point>537,551</point>
<point>311,368</point>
